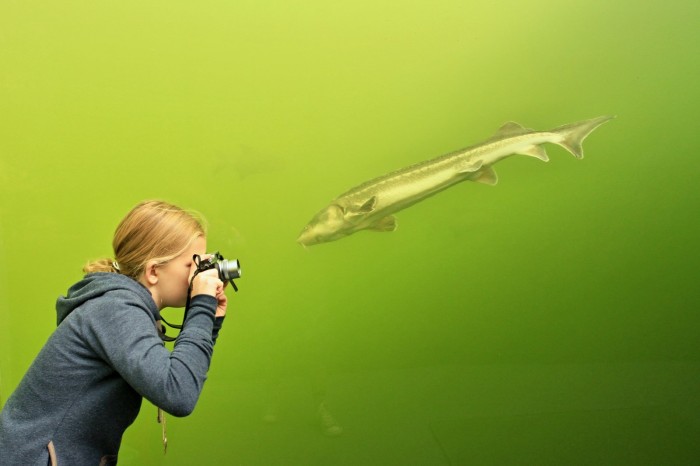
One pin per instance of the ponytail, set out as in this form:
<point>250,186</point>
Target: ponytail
<point>101,265</point>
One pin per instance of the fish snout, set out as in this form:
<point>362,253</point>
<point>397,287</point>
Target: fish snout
<point>306,237</point>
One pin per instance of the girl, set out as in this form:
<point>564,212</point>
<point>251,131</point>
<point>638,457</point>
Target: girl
<point>86,385</point>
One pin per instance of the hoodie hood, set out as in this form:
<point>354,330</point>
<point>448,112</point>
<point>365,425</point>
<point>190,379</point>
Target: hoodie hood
<point>94,285</point>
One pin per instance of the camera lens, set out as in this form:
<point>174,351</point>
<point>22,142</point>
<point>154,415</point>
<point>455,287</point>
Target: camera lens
<point>229,269</point>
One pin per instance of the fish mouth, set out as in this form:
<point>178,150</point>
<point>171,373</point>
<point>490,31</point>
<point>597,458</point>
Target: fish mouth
<point>306,239</point>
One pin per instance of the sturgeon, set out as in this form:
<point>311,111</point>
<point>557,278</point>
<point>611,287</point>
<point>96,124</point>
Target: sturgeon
<point>371,205</point>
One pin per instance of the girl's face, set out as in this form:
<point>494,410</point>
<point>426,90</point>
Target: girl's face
<point>174,277</point>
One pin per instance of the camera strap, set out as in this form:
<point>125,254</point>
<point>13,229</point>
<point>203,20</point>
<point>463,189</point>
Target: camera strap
<point>164,337</point>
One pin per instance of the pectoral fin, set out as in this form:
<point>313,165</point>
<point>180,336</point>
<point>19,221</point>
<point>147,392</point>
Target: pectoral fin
<point>363,209</point>
<point>384,224</point>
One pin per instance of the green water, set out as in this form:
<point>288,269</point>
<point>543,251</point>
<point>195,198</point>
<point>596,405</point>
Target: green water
<point>551,319</point>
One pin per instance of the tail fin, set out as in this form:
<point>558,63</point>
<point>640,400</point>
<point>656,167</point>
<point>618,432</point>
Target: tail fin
<point>574,134</point>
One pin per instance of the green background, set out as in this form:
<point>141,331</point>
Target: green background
<point>551,319</point>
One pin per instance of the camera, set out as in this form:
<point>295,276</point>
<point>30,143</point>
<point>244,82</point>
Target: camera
<point>227,269</point>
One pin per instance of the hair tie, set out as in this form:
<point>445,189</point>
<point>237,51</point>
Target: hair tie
<point>115,266</point>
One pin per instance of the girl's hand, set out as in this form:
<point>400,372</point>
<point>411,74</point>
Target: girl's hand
<point>207,282</point>
<point>222,302</point>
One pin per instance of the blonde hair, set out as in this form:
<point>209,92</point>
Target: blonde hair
<point>153,230</point>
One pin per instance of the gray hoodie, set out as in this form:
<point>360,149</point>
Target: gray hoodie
<point>85,387</point>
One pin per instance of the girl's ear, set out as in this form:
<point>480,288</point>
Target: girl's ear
<point>151,273</point>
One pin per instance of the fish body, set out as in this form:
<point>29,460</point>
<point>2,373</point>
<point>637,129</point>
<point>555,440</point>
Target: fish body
<point>371,205</point>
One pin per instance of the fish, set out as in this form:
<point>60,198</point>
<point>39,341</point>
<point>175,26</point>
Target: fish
<point>371,205</point>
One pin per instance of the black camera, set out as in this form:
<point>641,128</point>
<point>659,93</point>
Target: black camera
<point>227,269</point>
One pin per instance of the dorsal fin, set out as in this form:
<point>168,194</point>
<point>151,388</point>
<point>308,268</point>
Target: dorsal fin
<point>510,128</point>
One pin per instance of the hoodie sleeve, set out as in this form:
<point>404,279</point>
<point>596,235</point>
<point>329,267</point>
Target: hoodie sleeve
<point>218,323</point>
<point>123,333</point>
